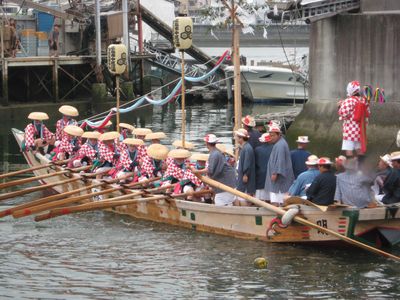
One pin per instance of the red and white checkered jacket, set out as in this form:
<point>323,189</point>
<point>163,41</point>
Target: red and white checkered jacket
<point>31,134</point>
<point>107,153</point>
<point>148,166</point>
<point>60,125</point>
<point>125,159</point>
<point>66,145</point>
<point>89,151</point>
<point>142,152</point>
<point>351,128</point>
<point>180,174</point>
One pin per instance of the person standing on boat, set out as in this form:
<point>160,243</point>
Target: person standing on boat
<point>220,170</point>
<point>68,113</point>
<point>304,180</point>
<point>322,189</point>
<point>37,136</point>
<point>352,187</point>
<point>391,181</point>
<point>249,123</point>
<point>262,154</point>
<point>129,160</point>
<point>89,151</point>
<point>353,111</point>
<point>70,143</point>
<point>246,182</point>
<point>109,152</point>
<point>299,156</point>
<point>279,171</point>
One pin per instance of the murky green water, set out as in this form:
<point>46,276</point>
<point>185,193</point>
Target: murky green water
<point>105,256</point>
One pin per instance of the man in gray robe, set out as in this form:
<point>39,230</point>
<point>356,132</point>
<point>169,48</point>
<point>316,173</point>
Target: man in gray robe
<point>279,171</point>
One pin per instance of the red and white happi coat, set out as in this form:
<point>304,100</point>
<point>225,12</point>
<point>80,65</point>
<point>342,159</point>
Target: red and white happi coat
<point>125,159</point>
<point>67,145</point>
<point>148,166</point>
<point>173,170</point>
<point>88,150</point>
<point>31,134</point>
<point>143,152</point>
<point>60,125</point>
<point>351,128</point>
<point>107,153</point>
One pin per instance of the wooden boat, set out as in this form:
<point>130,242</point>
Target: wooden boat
<point>379,226</point>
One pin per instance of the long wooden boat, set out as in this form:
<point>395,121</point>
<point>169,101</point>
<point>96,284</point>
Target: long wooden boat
<point>378,226</point>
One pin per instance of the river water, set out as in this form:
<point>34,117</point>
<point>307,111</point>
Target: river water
<point>100,255</point>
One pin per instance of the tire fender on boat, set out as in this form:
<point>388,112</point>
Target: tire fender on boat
<point>290,214</point>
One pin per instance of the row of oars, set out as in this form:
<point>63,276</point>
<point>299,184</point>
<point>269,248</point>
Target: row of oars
<point>69,202</point>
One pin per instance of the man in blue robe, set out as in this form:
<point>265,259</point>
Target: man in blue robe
<point>249,123</point>
<point>300,155</point>
<point>262,154</point>
<point>304,180</point>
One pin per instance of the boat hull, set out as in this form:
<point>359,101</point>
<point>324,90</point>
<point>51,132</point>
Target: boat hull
<point>247,222</point>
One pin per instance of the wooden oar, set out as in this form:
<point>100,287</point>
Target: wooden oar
<point>160,188</point>
<point>138,184</point>
<point>10,174</point>
<point>117,201</point>
<point>46,206</point>
<point>35,189</point>
<point>300,220</point>
<point>30,179</point>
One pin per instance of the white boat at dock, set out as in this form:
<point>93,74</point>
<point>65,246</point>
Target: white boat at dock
<point>270,84</point>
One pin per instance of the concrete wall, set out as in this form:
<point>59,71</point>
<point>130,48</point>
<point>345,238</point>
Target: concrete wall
<point>349,47</point>
<point>379,5</point>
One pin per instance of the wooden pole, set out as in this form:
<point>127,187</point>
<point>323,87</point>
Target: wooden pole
<point>19,172</point>
<point>300,220</point>
<point>183,98</point>
<point>30,179</point>
<point>117,85</point>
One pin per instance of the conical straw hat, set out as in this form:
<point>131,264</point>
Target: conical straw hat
<point>38,116</point>
<point>68,110</point>
<point>179,153</point>
<point>91,135</point>
<point>127,126</point>
<point>141,131</point>
<point>224,149</point>
<point>155,136</point>
<point>133,142</point>
<point>157,151</point>
<point>73,130</point>
<point>109,136</point>
<point>200,156</point>
<point>178,144</point>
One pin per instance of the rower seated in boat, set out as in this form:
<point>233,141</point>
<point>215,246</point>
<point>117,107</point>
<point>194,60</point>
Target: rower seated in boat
<point>109,153</point>
<point>154,165</point>
<point>129,160</point>
<point>89,152</point>
<point>228,154</point>
<point>37,136</point>
<point>126,131</point>
<point>178,173</point>
<point>68,113</point>
<point>140,133</point>
<point>70,143</point>
<point>201,165</point>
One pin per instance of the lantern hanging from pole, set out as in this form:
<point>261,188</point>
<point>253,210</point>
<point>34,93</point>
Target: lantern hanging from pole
<point>116,58</point>
<point>182,32</point>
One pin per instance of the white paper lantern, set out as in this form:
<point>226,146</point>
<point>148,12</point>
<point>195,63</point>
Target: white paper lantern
<point>116,58</point>
<point>182,32</point>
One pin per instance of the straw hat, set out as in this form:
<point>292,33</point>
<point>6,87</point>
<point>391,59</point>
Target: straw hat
<point>312,160</point>
<point>109,136</point>
<point>395,155</point>
<point>200,156</point>
<point>157,151</point>
<point>265,138</point>
<point>91,135</point>
<point>133,142</point>
<point>324,161</point>
<point>178,144</point>
<point>302,139</point>
<point>242,132</point>
<point>224,149</point>
<point>73,130</point>
<point>211,138</point>
<point>386,159</point>
<point>141,131</point>
<point>68,110</point>
<point>126,126</point>
<point>40,116</point>
<point>179,153</point>
<point>155,136</point>
<point>249,121</point>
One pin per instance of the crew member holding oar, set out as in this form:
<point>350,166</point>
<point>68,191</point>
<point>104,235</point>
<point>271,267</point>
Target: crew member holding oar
<point>155,165</point>
<point>37,136</point>
<point>70,143</point>
<point>140,133</point>
<point>109,152</point>
<point>89,151</point>
<point>129,161</point>
<point>126,131</point>
<point>68,113</point>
